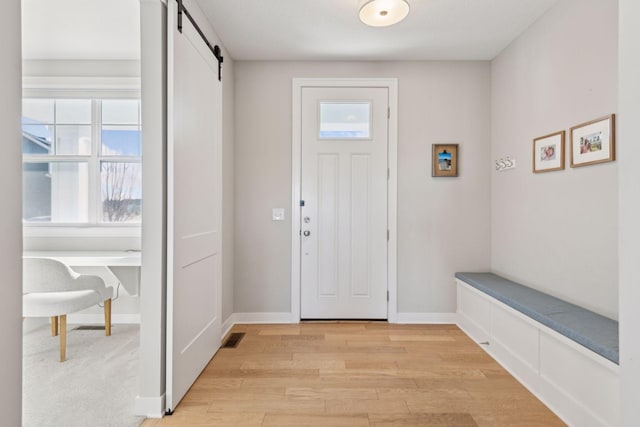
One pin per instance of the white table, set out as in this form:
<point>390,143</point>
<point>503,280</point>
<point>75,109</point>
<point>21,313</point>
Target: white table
<point>90,258</point>
<point>118,263</point>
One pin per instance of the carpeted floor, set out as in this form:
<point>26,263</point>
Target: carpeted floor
<point>95,386</point>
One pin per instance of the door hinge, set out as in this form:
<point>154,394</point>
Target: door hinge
<point>387,235</point>
<point>387,296</point>
<point>388,112</point>
<point>388,174</point>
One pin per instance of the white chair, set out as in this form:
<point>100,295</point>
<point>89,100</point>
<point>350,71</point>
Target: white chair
<point>51,289</point>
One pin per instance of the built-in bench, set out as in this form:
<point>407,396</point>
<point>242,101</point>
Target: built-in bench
<point>595,332</point>
<point>566,355</point>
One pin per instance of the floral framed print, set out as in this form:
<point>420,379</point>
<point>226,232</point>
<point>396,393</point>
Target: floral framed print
<point>593,142</point>
<point>548,152</point>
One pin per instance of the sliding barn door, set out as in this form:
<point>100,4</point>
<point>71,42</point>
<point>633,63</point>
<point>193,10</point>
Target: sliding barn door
<point>194,207</point>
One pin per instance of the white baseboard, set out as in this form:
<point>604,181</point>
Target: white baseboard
<point>150,407</point>
<point>249,318</point>
<point>253,318</point>
<point>414,318</point>
<point>427,318</point>
<point>262,318</point>
<point>89,319</point>
<point>228,324</point>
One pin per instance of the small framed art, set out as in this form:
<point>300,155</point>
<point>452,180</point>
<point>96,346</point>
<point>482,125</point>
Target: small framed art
<point>593,142</point>
<point>444,160</point>
<point>548,152</point>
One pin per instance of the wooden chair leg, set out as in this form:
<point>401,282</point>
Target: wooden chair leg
<point>107,317</point>
<point>54,326</point>
<point>63,337</point>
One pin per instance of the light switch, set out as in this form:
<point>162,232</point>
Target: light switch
<point>278,214</point>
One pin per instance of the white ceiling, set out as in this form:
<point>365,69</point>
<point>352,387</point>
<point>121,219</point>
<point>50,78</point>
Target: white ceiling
<point>331,30</point>
<point>286,29</point>
<point>81,29</point>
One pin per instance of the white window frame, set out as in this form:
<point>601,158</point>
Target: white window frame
<point>96,89</point>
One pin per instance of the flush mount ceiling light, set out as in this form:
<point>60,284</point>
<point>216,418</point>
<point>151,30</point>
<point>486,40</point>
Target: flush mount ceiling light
<point>382,13</point>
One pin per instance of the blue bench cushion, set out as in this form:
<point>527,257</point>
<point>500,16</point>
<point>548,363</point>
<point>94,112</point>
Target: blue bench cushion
<point>589,329</point>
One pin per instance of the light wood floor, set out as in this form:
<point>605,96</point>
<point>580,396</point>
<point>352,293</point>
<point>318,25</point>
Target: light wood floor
<point>356,374</point>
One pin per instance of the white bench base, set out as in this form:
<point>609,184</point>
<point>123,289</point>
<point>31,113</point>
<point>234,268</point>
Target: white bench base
<point>580,386</point>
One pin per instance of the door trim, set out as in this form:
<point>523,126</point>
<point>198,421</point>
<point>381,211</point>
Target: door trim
<point>392,194</point>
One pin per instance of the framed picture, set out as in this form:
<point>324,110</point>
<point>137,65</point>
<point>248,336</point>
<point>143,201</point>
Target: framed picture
<point>548,152</point>
<point>444,160</point>
<point>593,142</point>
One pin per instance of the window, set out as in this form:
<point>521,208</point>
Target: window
<point>81,161</point>
<point>345,120</point>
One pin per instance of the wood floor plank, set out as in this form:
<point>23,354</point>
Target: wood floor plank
<point>487,387</point>
<point>342,381</point>
<point>422,420</point>
<point>254,393</point>
<point>362,348</point>
<point>286,405</point>
<point>357,337</point>
<point>370,364</point>
<point>480,357</point>
<point>483,369</point>
<point>356,374</point>
<point>331,393</point>
<point>421,337</point>
<point>216,383</point>
<point>294,364</point>
<point>358,357</point>
<point>523,419</point>
<point>246,356</point>
<point>369,406</point>
<point>304,337</point>
<point>426,372</point>
<point>315,420</point>
<point>257,373</point>
<point>449,393</point>
<point>218,419</point>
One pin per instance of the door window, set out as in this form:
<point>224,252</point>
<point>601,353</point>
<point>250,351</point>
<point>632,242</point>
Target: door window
<point>345,120</point>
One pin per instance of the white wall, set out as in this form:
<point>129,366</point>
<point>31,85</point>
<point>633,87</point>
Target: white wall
<point>629,231</point>
<point>443,224</point>
<point>228,188</point>
<point>557,231</point>
<point>10,218</point>
<point>151,368</point>
<point>81,68</point>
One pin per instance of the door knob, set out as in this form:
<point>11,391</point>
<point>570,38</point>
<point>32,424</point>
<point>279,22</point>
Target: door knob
<point>306,233</point>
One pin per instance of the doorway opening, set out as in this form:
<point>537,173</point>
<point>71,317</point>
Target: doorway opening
<point>82,197</point>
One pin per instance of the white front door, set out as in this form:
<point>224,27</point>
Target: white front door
<point>194,207</point>
<point>344,136</point>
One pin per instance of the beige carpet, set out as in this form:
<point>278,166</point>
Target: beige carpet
<point>95,386</point>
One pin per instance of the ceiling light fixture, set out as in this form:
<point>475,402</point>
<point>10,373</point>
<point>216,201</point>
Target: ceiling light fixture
<point>382,13</point>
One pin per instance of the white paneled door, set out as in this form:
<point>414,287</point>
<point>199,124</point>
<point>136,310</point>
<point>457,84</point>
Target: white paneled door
<point>194,207</point>
<point>344,174</point>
